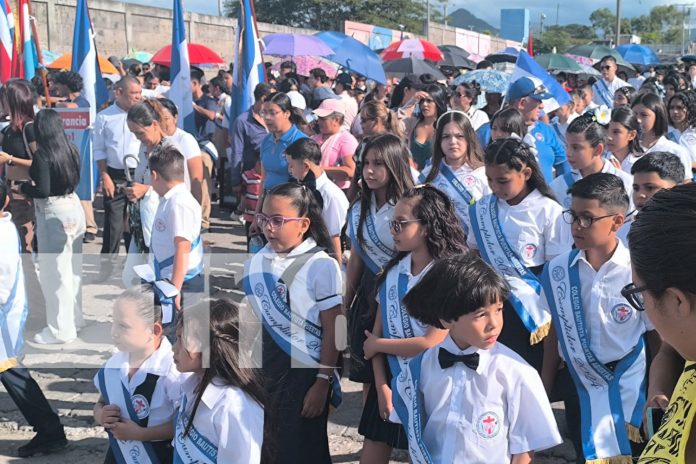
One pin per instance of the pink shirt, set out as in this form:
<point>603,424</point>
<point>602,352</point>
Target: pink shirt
<point>335,149</point>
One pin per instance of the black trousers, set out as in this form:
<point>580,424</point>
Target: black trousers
<point>114,214</point>
<point>30,400</point>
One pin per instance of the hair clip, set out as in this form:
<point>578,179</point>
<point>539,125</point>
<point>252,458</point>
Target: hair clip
<point>437,123</point>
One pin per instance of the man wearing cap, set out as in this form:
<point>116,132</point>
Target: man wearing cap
<point>343,86</point>
<point>605,87</point>
<point>337,145</point>
<point>527,95</point>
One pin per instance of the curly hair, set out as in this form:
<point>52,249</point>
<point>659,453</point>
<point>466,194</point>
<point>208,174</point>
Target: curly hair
<point>72,80</point>
<point>688,98</point>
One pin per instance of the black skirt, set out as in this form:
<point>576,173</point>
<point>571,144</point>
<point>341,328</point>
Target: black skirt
<point>516,337</point>
<point>361,318</point>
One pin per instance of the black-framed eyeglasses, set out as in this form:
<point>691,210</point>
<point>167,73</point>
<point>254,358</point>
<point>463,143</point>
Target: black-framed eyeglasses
<point>634,296</point>
<point>605,67</point>
<point>585,222</point>
<point>397,226</point>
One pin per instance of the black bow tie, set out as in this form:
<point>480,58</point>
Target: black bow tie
<point>448,359</point>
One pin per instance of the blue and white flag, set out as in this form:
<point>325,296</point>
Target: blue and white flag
<point>248,64</point>
<point>180,92</point>
<point>527,67</point>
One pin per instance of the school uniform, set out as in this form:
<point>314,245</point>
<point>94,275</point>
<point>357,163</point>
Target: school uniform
<point>375,251</point>
<point>295,287</point>
<point>153,392</point>
<point>688,141</point>
<point>396,324</point>
<point>603,91</point>
<point>517,241</point>
<point>627,162</point>
<point>561,128</point>
<point>463,186</point>
<point>601,339</point>
<point>335,206</point>
<point>482,412</point>
<point>227,426</point>
<point>664,144</point>
<point>476,117</point>
<point>561,184</point>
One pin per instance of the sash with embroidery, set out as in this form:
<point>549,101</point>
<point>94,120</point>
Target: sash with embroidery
<point>373,252</point>
<point>194,447</point>
<point>418,451</point>
<point>604,92</point>
<point>458,193</point>
<point>398,325</point>
<point>495,250</point>
<point>114,392</point>
<point>298,337</point>
<point>611,402</point>
<point>13,314</point>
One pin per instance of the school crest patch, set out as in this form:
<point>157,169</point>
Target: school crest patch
<point>539,136</point>
<point>140,406</point>
<point>529,251</point>
<point>469,181</point>
<point>621,313</point>
<point>558,273</point>
<point>488,425</point>
<point>160,225</point>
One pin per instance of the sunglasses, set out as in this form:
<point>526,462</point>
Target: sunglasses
<point>634,296</point>
<point>397,226</point>
<point>605,67</point>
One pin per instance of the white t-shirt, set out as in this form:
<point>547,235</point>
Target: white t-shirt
<point>486,415</point>
<point>477,117</point>
<point>688,141</point>
<point>228,417</point>
<point>178,215</point>
<point>351,111</point>
<point>663,144</point>
<point>560,186</point>
<point>336,204</point>
<point>534,228</point>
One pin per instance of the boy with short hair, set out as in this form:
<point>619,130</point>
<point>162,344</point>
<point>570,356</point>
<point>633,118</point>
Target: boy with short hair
<point>176,241</point>
<point>304,158</point>
<point>594,355</point>
<point>477,401</point>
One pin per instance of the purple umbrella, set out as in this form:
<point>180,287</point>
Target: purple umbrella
<point>295,45</point>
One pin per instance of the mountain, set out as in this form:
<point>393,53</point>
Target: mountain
<point>465,20</point>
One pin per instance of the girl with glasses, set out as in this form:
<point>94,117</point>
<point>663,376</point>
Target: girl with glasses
<point>464,98</point>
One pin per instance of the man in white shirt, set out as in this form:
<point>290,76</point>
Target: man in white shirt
<point>343,86</point>
<point>605,87</point>
<point>111,141</point>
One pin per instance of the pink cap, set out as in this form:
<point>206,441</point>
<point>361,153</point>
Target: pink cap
<point>330,106</point>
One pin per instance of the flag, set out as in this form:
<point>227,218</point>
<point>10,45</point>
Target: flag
<point>27,46</point>
<point>180,75</point>
<point>527,67</point>
<point>249,70</point>
<point>530,45</point>
<point>85,63</point>
<point>6,40</point>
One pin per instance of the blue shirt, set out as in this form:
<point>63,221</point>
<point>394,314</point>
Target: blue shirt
<point>247,135</point>
<point>484,134</point>
<point>551,151</point>
<point>273,159</point>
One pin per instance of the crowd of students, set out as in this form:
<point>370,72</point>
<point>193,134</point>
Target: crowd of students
<point>472,266</point>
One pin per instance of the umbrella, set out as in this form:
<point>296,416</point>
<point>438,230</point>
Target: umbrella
<point>403,66</point>
<point>456,60</point>
<point>454,49</point>
<point>49,56</point>
<point>198,54</point>
<point>295,45</point>
<point>307,63</point>
<point>490,80</point>
<point>353,55</point>
<point>558,63</point>
<point>508,55</point>
<point>133,210</point>
<point>597,52</point>
<point>143,57</point>
<point>688,58</point>
<point>638,54</point>
<point>417,48</point>
<point>65,62</point>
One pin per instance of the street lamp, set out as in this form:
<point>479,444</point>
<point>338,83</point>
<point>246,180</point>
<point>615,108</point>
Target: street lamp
<point>542,17</point>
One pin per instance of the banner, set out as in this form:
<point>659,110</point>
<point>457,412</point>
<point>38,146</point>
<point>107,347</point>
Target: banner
<point>76,123</point>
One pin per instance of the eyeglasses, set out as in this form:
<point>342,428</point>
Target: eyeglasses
<point>634,296</point>
<point>276,222</point>
<point>605,67</point>
<point>461,95</point>
<point>585,222</point>
<point>397,226</point>
<point>270,114</point>
<point>453,136</point>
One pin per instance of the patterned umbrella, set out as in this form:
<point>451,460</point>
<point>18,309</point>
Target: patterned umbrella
<point>295,45</point>
<point>490,80</point>
<point>417,48</point>
<point>307,63</point>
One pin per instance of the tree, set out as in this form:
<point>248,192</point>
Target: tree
<point>554,36</point>
<point>579,31</point>
<point>603,19</point>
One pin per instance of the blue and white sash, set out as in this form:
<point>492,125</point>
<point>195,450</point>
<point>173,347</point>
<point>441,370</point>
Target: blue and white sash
<point>604,92</point>
<point>194,447</point>
<point>458,193</point>
<point>374,253</point>
<point>13,314</point>
<point>114,392</point>
<point>417,449</point>
<point>169,262</point>
<point>611,403</point>
<point>495,250</point>
<point>557,129</point>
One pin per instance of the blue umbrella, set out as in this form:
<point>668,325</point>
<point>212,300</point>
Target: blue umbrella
<point>638,54</point>
<point>490,80</point>
<point>353,55</point>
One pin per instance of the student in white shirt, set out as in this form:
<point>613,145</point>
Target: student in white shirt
<point>605,87</point>
<point>563,116</point>
<point>176,246</point>
<point>585,143</point>
<point>595,330</point>
<point>457,164</point>
<point>475,401</point>
<point>518,229</point>
<point>652,115</point>
<point>682,119</point>
<point>304,164</point>
<point>623,144</point>
<point>221,409</point>
<point>463,99</point>
<point>623,96</point>
<point>139,385</point>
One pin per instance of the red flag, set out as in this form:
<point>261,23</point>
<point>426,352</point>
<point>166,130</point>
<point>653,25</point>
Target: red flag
<point>530,45</point>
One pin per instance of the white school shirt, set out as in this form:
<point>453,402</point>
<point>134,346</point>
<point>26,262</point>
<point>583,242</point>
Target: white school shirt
<point>112,140</point>
<point>622,234</point>
<point>381,221</point>
<point>534,228</point>
<point>613,326</point>
<point>167,390</point>
<point>487,415</point>
<point>627,163</point>
<point>664,144</point>
<point>142,171</point>
<point>613,86</point>
<point>688,141</point>
<point>560,187</point>
<point>561,128</point>
<point>178,215</point>
<point>335,209</point>
<point>228,417</point>
<point>477,117</point>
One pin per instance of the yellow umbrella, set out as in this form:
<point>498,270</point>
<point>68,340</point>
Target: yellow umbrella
<point>65,62</point>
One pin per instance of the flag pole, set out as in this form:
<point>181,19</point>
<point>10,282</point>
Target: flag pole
<point>32,21</point>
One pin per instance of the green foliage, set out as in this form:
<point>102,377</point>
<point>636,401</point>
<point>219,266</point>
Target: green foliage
<point>663,24</point>
<point>554,36</point>
<point>603,19</point>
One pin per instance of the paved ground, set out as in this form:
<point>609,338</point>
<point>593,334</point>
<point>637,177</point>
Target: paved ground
<point>65,374</point>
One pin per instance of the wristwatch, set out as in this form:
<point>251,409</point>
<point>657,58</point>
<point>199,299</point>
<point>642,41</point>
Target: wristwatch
<point>328,378</point>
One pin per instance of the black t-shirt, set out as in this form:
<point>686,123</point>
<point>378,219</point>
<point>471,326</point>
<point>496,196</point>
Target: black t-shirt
<point>13,142</point>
